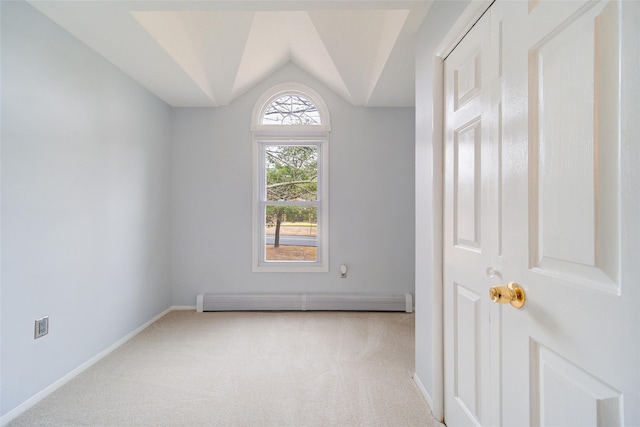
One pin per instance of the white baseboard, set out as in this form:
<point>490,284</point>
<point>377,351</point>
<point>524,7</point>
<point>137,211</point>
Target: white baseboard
<point>426,395</point>
<point>183,308</point>
<point>24,406</point>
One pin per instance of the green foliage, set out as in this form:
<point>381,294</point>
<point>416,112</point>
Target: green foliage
<point>291,172</point>
<point>291,214</point>
<point>292,176</point>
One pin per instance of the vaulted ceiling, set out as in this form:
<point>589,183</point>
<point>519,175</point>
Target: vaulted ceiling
<point>209,52</point>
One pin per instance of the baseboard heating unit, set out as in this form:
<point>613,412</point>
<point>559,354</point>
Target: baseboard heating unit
<point>304,302</point>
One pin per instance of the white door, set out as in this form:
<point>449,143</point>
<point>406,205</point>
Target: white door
<point>571,213</point>
<point>470,241</point>
<point>565,192</point>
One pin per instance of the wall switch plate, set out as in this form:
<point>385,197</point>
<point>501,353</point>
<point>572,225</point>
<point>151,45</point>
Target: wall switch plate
<point>42,327</point>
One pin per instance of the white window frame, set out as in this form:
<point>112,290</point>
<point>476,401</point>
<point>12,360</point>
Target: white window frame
<point>264,135</point>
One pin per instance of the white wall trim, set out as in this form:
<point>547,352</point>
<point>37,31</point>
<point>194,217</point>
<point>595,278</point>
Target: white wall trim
<point>181,308</point>
<point>463,24</point>
<point>426,396</point>
<point>33,400</point>
<point>437,309</point>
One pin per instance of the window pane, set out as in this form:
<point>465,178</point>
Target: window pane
<point>291,110</point>
<point>291,233</point>
<point>291,173</point>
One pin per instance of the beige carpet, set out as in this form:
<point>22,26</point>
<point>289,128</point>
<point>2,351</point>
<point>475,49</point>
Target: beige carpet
<point>249,369</point>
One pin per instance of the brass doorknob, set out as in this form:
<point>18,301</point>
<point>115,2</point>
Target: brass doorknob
<point>511,294</point>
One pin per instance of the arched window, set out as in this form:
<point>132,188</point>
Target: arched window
<point>290,127</point>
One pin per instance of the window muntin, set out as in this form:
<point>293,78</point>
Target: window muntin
<point>291,109</point>
<point>290,132</point>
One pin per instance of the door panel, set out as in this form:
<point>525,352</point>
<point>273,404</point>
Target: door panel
<point>468,344</point>
<point>467,80</point>
<point>565,395</point>
<point>576,161</point>
<point>467,182</point>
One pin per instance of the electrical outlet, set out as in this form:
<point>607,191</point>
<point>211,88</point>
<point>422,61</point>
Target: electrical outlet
<point>343,271</point>
<point>42,327</point>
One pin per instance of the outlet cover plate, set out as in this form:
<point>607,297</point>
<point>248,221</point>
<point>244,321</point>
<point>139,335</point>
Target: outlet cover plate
<point>42,327</point>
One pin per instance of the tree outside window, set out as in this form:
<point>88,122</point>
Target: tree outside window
<point>292,183</point>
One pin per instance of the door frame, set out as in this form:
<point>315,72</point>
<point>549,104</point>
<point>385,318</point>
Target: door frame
<point>472,13</point>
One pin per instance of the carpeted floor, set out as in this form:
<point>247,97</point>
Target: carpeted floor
<point>249,369</point>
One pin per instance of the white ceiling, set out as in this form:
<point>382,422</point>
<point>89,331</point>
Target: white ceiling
<point>209,52</point>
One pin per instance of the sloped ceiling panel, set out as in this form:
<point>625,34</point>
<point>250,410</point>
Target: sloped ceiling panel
<point>209,53</point>
<point>359,43</point>
<point>280,37</point>
<point>208,46</point>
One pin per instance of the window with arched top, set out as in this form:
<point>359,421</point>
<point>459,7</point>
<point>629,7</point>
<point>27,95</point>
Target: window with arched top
<point>290,127</point>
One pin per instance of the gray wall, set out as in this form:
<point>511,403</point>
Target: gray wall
<point>441,17</point>
<point>85,203</point>
<point>371,205</point>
